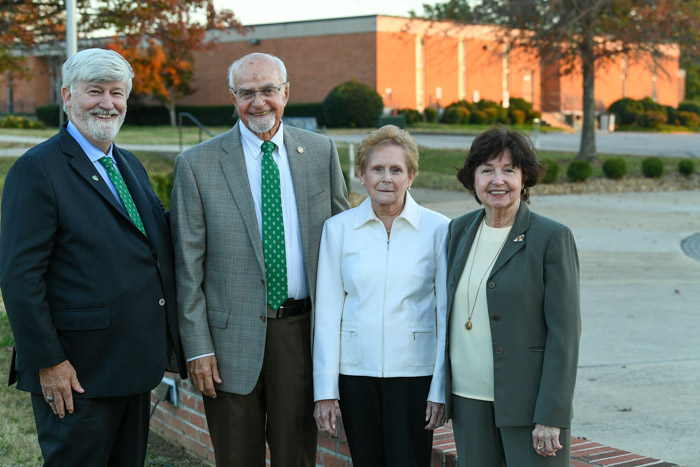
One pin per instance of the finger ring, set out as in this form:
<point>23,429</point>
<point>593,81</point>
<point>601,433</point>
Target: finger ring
<point>540,447</point>
<point>49,399</point>
<point>321,427</point>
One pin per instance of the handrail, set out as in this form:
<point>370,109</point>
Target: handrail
<point>180,115</point>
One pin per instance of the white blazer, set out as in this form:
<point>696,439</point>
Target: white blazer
<point>380,300</point>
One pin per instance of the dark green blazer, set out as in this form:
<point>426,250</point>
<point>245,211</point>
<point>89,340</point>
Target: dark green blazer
<point>534,310</point>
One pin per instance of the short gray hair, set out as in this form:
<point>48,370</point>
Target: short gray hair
<point>232,69</point>
<point>96,65</point>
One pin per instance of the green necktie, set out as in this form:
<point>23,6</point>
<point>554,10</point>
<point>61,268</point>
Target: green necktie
<point>273,229</point>
<point>123,191</point>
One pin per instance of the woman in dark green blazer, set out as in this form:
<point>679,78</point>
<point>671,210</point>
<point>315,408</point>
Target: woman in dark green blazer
<point>513,314</point>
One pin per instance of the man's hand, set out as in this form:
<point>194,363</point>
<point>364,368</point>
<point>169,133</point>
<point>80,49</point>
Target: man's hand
<point>434,415</point>
<point>203,374</point>
<point>57,384</point>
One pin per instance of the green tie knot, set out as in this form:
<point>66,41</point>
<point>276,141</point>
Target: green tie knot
<point>268,147</point>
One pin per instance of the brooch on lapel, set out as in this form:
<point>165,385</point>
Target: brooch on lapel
<point>94,177</point>
<point>300,150</point>
<point>519,238</point>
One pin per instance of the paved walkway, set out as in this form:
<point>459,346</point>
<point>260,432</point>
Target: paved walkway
<point>639,370</point>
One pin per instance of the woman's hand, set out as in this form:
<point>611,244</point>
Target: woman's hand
<point>325,415</point>
<point>545,440</point>
<point>434,415</point>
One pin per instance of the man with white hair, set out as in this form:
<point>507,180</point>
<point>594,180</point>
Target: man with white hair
<point>248,211</point>
<point>87,277</point>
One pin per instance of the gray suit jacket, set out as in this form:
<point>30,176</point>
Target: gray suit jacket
<point>533,303</point>
<point>220,269</point>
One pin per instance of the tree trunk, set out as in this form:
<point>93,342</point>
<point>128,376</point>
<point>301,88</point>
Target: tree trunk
<point>171,110</point>
<point>587,149</point>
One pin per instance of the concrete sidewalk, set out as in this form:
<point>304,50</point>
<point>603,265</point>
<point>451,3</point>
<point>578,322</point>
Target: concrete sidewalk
<point>639,369</point>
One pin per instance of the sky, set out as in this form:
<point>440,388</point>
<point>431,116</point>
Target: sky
<point>279,11</point>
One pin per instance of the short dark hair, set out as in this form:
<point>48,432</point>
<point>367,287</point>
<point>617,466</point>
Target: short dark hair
<point>490,144</point>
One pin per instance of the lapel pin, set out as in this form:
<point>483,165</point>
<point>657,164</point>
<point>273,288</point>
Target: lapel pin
<point>519,238</point>
<point>94,177</point>
<point>300,150</point>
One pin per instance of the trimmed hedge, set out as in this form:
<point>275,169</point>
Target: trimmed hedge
<point>352,104</point>
<point>21,121</point>
<point>579,171</point>
<point>551,170</point>
<point>615,168</point>
<point>652,167</point>
<point>626,110</point>
<point>686,167</point>
<point>430,115</point>
<point>412,115</point>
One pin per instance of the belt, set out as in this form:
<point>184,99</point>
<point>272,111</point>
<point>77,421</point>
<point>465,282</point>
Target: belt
<point>290,307</point>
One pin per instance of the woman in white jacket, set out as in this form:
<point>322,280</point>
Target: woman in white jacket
<point>379,333</point>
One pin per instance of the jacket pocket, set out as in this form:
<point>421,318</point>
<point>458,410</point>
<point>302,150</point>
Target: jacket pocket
<point>536,348</point>
<point>350,347</point>
<point>82,320</point>
<point>422,346</point>
<point>218,318</point>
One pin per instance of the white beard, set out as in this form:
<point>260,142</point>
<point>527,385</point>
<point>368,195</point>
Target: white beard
<point>103,131</point>
<point>262,125</point>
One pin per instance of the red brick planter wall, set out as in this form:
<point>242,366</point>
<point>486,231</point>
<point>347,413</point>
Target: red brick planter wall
<point>186,426</point>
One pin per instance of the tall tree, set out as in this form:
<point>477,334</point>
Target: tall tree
<point>159,38</point>
<point>582,34</point>
<point>24,26</point>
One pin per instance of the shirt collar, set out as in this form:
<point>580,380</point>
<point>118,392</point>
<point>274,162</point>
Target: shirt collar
<point>410,213</point>
<point>254,142</point>
<point>92,151</point>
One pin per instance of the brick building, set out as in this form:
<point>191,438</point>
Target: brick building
<point>411,63</point>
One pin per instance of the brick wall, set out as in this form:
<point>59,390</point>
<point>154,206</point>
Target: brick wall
<point>186,426</point>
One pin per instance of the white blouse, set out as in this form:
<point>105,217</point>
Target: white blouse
<point>380,300</point>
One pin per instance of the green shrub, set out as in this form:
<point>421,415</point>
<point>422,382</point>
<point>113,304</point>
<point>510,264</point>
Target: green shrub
<point>352,104</point>
<point>430,115</point>
<point>533,114</point>
<point>689,106</point>
<point>21,121</point>
<point>412,115</point>
<point>491,115</point>
<point>456,115</point>
<point>652,167</point>
<point>626,110</point>
<point>650,119</point>
<point>551,170</point>
<point>517,117</point>
<point>688,119</point>
<point>651,106</point>
<point>479,117</point>
<point>686,167</point>
<point>518,103</point>
<point>462,103</point>
<point>48,114</point>
<point>163,186</point>
<point>579,171</point>
<point>306,109</point>
<point>615,168</point>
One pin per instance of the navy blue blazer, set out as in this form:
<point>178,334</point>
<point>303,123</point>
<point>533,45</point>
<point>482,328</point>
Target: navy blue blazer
<point>79,280</point>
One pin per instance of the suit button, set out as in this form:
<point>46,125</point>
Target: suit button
<point>495,317</point>
<point>491,285</point>
<point>161,302</point>
<point>263,318</point>
<point>499,350</point>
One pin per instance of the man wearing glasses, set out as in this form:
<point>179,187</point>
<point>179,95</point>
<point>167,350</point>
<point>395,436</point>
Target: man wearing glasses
<point>248,212</point>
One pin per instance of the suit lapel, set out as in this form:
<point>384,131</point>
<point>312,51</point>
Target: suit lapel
<point>297,165</point>
<point>516,238</point>
<point>233,166</point>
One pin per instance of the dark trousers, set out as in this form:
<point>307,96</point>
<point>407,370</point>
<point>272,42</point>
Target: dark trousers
<point>279,410</point>
<point>100,432</point>
<point>481,443</point>
<point>384,420</point>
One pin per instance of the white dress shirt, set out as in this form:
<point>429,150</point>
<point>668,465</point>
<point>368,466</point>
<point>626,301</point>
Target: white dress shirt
<point>380,300</point>
<point>252,151</point>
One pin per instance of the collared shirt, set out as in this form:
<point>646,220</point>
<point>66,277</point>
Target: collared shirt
<point>95,154</point>
<point>252,151</point>
<point>381,300</point>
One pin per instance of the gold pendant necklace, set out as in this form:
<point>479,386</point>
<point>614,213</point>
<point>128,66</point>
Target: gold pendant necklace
<point>470,309</point>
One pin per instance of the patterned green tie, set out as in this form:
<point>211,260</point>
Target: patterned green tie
<point>273,230</point>
<point>123,191</point>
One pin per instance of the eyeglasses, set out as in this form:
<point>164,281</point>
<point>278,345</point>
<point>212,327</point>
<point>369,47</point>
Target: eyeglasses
<point>267,92</point>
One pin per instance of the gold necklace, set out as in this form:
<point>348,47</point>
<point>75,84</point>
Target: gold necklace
<point>470,310</point>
